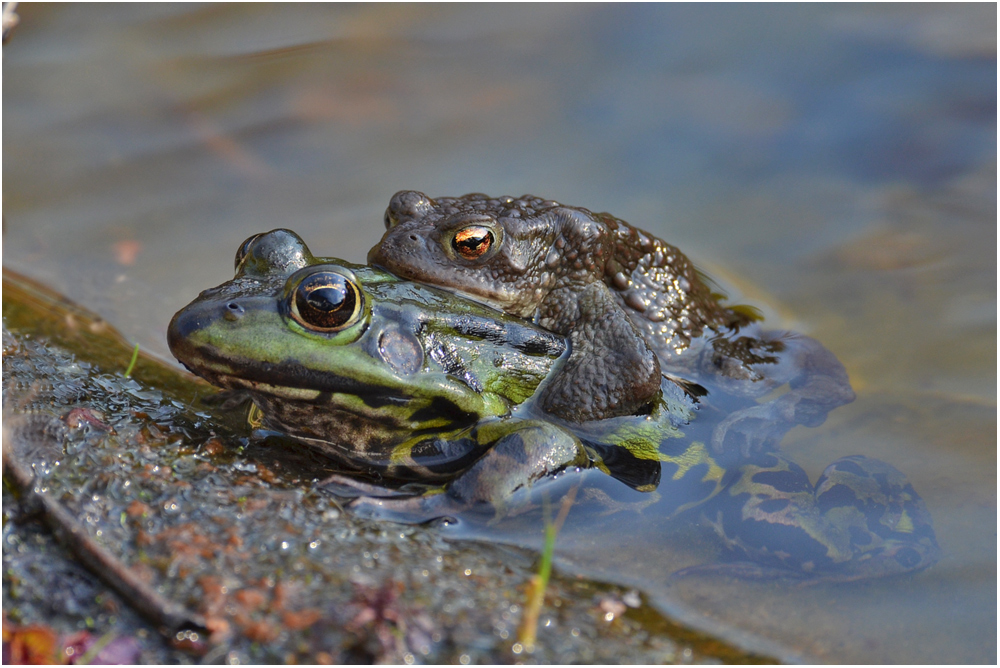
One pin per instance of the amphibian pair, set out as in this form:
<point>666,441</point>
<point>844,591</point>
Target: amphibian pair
<point>400,380</point>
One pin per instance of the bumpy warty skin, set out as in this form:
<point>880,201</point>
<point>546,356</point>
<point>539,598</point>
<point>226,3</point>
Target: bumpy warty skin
<point>629,302</point>
<point>555,264</point>
<point>547,246</point>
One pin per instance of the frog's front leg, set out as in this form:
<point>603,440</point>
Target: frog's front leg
<point>817,382</point>
<point>522,453</point>
<point>861,520</point>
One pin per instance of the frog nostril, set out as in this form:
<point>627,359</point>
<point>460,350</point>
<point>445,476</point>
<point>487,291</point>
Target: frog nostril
<point>413,237</point>
<point>234,311</point>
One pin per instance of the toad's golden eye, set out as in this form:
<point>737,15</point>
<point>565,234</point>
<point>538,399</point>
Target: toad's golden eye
<point>326,302</point>
<point>473,242</point>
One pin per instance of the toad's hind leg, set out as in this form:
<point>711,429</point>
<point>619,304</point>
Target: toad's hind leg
<point>861,520</point>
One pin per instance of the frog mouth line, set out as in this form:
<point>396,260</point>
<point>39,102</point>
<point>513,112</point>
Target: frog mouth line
<point>292,380</point>
<point>372,402</point>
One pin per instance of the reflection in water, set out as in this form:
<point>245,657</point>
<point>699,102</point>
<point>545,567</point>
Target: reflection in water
<point>835,165</point>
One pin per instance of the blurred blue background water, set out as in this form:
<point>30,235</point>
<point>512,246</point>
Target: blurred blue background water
<point>833,164</point>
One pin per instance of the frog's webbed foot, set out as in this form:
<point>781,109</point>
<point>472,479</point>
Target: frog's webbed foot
<point>817,382</point>
<point>610,371</point>
<point>350,488</point>
<point>406,505</point>
<point>408,509</point>
<point>861,520</point>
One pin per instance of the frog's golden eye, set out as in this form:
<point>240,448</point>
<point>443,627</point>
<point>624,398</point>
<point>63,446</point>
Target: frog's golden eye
<point>326,302</point>
<point>473,242</point>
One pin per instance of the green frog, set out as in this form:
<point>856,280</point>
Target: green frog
<point>634,307</point>
<point>429,402</point>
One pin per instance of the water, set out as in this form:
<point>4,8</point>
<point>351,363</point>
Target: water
<point>835,165</point>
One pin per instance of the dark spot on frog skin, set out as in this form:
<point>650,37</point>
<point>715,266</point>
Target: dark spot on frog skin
<point>847,466</point>
<point>838,496</point>
<point>873,518</point>
<point>441,407</point>
<point>785,538</point>
<point>528,341</point>
<point>907,557</point>
<point>692,485</point>
<point>375,400</point>
<point>641,474</point>
<point>451,361</point>
<point>783,481</point>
